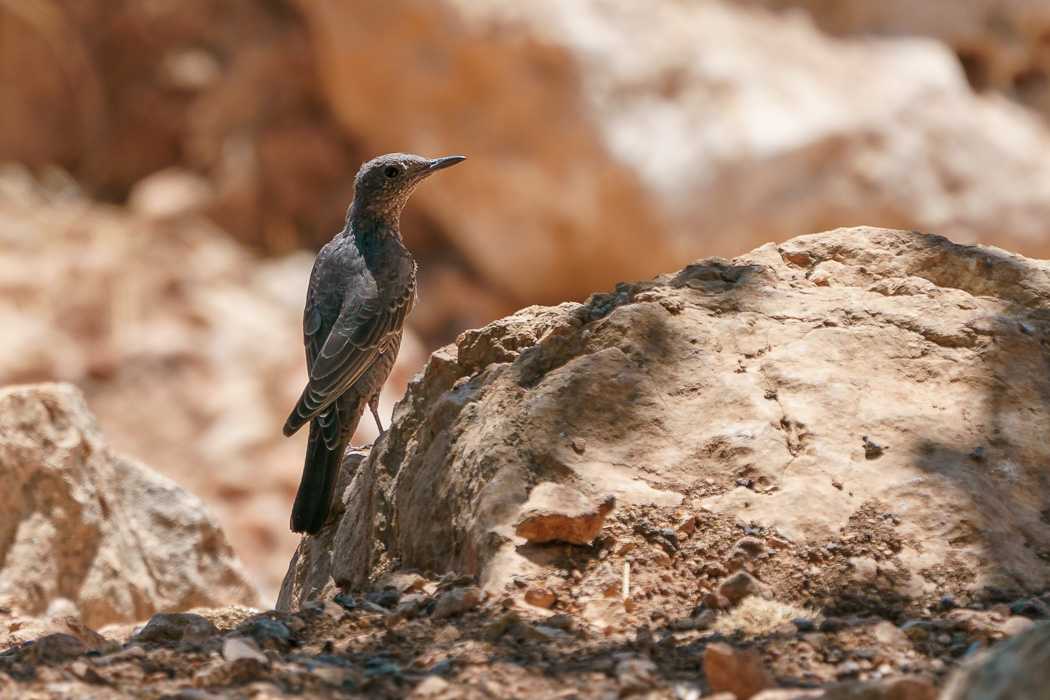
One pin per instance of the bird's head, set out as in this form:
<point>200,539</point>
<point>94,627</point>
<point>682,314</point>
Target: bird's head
<point>384,184</point>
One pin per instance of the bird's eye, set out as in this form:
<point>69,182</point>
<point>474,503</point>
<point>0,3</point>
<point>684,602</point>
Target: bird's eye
<point>392,171</point>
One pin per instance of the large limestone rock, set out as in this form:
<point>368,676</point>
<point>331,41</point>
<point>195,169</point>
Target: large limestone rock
<point>851,387</point>
<point>609,141</point>
<point>89,526</point>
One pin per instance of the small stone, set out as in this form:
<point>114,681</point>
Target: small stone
<point>635,676</point>
<point>886,632</point>
<point>703,617</point>
<point>803,625</point>
<point>338,676</point>
<point>543,633</point>
<point>402,582</point>
<point>1032,608</point>
<point>387,599</point>
<point>738,671</point>
<point>457,601</point>
<point>916,630</point>
<point>85,672</point>
<point>540,596</point>
<point>683,624</point>
<point>947,602</point>
<point>741,585</point>
<point>57,648</point>
<point>685,524</point>
<point>872,449</point>
<point>429,687</point>
<point>172,629</point>
<point>446,635</point>
<point>847,668</point>
<point>495,629</point>
<point>270,634</point>
<point>559,513</point>
<point>243,648</point>
<point>347,601</point>
<point>579,445</point>
<point>834,624</point>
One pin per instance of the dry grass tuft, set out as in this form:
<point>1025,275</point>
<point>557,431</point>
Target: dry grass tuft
<point>755,617</point>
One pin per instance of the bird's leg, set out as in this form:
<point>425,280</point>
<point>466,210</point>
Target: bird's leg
<point>373,404</point>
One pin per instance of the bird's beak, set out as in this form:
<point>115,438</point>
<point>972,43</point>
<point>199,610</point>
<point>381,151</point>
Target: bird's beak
<point>441,163</point>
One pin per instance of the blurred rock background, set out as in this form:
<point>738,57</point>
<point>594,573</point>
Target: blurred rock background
<point>171,167</point>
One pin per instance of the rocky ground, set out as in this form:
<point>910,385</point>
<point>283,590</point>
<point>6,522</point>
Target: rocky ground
<point>571,634</point>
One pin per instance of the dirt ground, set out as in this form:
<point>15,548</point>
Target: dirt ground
<point>631,615</point>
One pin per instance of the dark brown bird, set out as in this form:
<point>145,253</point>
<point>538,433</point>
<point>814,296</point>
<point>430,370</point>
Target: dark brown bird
<point>361,289</point>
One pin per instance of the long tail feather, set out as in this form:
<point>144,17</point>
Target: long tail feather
<point>313,502</point>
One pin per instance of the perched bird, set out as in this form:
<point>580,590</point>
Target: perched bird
<point>362,287</point>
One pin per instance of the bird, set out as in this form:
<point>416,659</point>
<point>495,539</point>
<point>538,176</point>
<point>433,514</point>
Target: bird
<point>362,287</point>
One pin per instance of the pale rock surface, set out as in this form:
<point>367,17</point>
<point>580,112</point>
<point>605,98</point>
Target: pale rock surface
<point>82,523</point>
<point>747,376</point>
<point>608,141</point>
<point>1001,43</point>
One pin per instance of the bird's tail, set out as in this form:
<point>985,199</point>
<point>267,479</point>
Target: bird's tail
<point>313,501</point>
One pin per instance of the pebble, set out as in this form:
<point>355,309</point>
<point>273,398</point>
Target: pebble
<point>457,601</point>
<point>270,634</point>
<point>741,585</point>
<point>387,599</point>
<point>847,668</point>
<point>834,624</point>
<point>540,596</point>
<point>235,648</point>
<point>635,676</point>
<point>803,625</point>
<point>172,629</point>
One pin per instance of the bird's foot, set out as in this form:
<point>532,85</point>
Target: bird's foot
<point>361,448</point>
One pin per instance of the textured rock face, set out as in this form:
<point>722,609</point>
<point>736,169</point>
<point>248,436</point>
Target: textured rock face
<point>887,381</point>
<point>708,127</point>
<point>1020,668</point>
<point>81,523</point>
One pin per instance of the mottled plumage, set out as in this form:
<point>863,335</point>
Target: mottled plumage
<point>362,287</point>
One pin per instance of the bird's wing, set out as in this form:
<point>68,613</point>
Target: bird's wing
<point>358,336</point>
